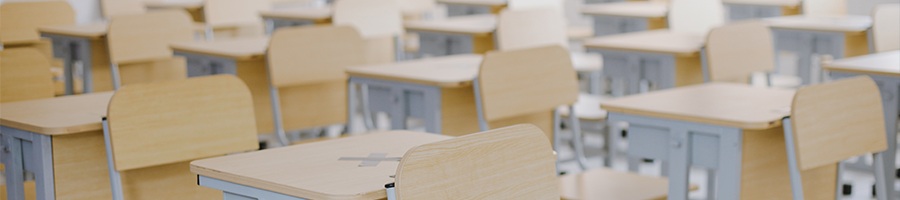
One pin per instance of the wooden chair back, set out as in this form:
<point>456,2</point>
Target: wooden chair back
<point>136,38</point>
<point>24,75</point>
<point>174,121</point>
<point>372,18</point>
<point>695,16</point>
<point>520,82</point>
<point>737,49</point>
<point>514,162</point>
<point>313,54</point>
<point>230,13</point>
<point>112,8</point>
<point>19,20</point>
<point>837,120</point>
<point>886,27</point>
<point>824,7</point>
<point>530,28</point>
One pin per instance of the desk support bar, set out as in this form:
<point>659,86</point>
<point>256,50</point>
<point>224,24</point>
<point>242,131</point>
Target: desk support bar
<point>115,182</point>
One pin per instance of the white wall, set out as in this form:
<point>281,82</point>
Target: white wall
<point>86,11</point>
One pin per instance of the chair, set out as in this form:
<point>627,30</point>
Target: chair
<point>695,16</point>
<point>824,7</point>
<point>139,46</point>
<point>514,162</point>
<point>177,121</point>
<point>19,20</point>
<point>311,61</point>
<point>832,122</point>
<point>886,27</point>
<point>379,22</point>
<point>240,17</point>
<point>738,50</point>
<point>112,8</point>
<point>24,75</point>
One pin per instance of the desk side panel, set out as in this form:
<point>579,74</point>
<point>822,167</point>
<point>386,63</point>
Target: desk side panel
<point>764,170</point>
<point>458,113</point>
<point>688,70</point>
<point>253,73</point>
<point>482,43</point>
<point>100,62</point>
<point>29,191</point>
<point>856,44</point>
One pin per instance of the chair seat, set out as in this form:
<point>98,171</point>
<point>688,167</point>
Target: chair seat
<point>586,62</point>
<point>587,108</point>
<point>605,183</point>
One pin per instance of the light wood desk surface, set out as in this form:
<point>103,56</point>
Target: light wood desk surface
<point>313,171</point>
<point>446,71</point>
<point>92,30</point>
<point>238,49</point>
<point>309,14</point>
<point>887,63</point>
<point>725,104</point>
<point>840,23</point>
<point>57,116</point>
<point>781,3</point>
<point>471,24</point>
<point>642,9</point>
<point>474,2</point>
<point>189,5</point>
<point>654,41</point>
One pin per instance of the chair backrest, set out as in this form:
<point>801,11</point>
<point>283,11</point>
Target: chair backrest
<point>24,75</point>
<point>112,8</point>
<point>146,37</point>
<point>372,18</point>
<point>530,28</point>
<point>514,162</point>
<point>515,83</point>
<point>737,49</point>
<point>312,54</point>
<point>227,13</point>
<point>173,121</point>
<point>886,27</point>
<point>19,20</point>
<point>695,16</point>
<point>837,120</point>
<point>824,7</point>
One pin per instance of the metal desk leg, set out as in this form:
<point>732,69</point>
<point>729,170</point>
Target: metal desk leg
<point>234,191</point>
<point>15,171</point>
<point>679,163</point>
<point>729,169</point>
<point>889,96</point>
<point>43,166</point>
<point>85,55</point>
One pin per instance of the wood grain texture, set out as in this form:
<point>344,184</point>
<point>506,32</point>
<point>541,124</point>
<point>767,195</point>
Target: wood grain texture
<point>885,27</point>
<point>764,169</point>
<point>228,13</point>
<point>856,43</point>
<point>531,28</point>
<point>24,75</point>
<point>317,15</point>
<point>514,162</point>
<point>653,41</point>
<point>323,177</point>
<point>237,49</point>
<point>688,70</point>
<point>832,23</point>
<point>57,116</point>
<point>837,120</point>
<point>642,9</point>
<point>139,38</point>
<point>91,30</point>
<point>725,104</point>
<point>886,63</point>
<point>174,121</point>
<point>328,107</point>
<point>738,49</point>
<point>112,8</point>
<point>445,71</point>
<point>29,191</point>
<point>19,20</point>
<point>164,69</point>
<point>303,55</point>
<point>478,25</point>
<point>605,183</point>
<point>514,83</point>
<point>372,18</point>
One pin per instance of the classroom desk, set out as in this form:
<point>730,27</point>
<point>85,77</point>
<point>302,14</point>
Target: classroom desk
<point>60,140</point>
<point>665,58</point>
<point>295,17</point>
<point>733,129</point>
<point>884,68</point>
<point>313,170</point>
<point>85,43</point>
<point>753,9</point>
<point>838,36</point>
<point>627,16</point>
<point>455,35</point>
<point>194,8</point>
<point>473,7</point>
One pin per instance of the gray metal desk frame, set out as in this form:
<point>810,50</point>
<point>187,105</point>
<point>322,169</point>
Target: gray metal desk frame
<point>400,100</point>
<point>738,12</point>
<point>626,69</point>
<point>462,10</point>
<point>27,151</point>
<point>273,24</point>
<point>206,65</point>
<point>683,144</point>
<point>235,191</point>
<point>806,43</point>
<point>610,25</point>
<point>70,49</point>
<point>444,44</point>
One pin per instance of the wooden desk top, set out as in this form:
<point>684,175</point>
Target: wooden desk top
<point>471,24</point>
<point>190,5</point>
<point>238,49</point>
<point>642,9</point>
<point>724,104</point>
<point>474,2</point>
<point>57,116</point>
<point>886,63</point>
<point>313,171</point>
<point>780,3</point>
<point>445,71</point>
<point>842,23</point>
<point>306,14</point>
<point>92,30</point>
<point>654,41</point>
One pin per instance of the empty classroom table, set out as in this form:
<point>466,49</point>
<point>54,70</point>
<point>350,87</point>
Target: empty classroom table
<point>838,36</point>
<point>752,9</point>
<point>355,167</point>
<point>884,68</point>
<point>734,129</point>
<point>84,43</point>
<point>295,17</point>
<point>455,35</point>
<point>473,7</point>
<point>627,16</point>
